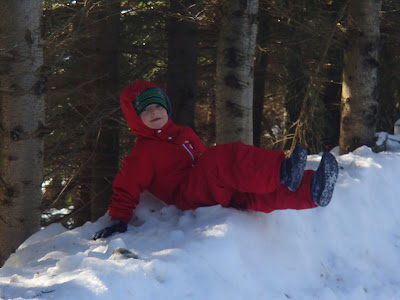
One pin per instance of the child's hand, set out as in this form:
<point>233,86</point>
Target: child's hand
<point>119,226</point>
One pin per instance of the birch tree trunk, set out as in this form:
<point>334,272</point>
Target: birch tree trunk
<point>235,72</point>
<point>359,104</point>
<point>22,119</point>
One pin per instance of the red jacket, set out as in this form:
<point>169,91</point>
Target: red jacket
<point>174,165</point>
<point>158,162</point>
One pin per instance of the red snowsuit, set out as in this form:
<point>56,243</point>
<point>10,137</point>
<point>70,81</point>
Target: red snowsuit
<point>174,165</point>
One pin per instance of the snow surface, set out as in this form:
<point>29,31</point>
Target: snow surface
<point>348,250</point>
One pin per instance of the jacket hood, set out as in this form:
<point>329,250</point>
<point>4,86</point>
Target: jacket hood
<point>128,95</point>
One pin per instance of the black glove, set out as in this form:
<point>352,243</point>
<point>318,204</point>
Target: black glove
<point>119,226</point>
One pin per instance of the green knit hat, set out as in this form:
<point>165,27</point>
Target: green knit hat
<point>151,96</point>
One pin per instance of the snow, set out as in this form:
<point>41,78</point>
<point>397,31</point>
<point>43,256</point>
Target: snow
<point>348,250</point>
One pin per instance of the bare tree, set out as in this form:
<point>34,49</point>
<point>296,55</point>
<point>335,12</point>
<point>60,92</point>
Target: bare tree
<point>235,71</point>
<point>22,122</point>
<point>359,104</point>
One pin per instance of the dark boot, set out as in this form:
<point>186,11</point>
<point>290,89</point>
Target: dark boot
<point>324,179</point>
<point>292,168</point>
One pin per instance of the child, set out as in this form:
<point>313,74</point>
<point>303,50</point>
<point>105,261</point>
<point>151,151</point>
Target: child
<point>173,164</point>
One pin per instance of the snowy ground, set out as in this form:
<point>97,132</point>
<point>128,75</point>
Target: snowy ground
<point>349,250</point>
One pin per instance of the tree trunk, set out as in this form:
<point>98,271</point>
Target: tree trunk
<point>105,164</point>
<point>235,72</point>
<point>99,49</point>
<point>359,104</point>
<point>22,123</point>
<point>260,78</point>
<point>182,59</point>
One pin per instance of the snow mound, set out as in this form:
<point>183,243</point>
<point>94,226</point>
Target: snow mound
<point>348,250</point>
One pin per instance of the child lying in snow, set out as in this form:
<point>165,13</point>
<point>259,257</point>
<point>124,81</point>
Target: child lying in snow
<point>173,164</point>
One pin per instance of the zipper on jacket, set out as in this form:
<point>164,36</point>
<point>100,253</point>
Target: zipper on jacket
<point>191,154</point>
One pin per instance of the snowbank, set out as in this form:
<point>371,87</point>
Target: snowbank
<point>348,250</point>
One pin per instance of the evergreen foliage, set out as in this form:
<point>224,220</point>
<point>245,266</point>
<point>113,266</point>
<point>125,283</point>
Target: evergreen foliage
<point>298,63</point>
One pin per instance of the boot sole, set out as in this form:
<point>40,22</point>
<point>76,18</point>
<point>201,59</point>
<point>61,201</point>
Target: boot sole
<point>301,157</point>
<point>329,169</point>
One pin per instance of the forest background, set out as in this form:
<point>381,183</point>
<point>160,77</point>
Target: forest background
<point>91,49</point>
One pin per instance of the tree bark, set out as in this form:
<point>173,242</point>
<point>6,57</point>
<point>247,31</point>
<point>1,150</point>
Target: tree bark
<point>260,78</point>
<point>359,104</point>
<point>105,164</point>
<point>182,59</point>
<point>235,72</point>
<point>22,123</point>
<point>99,49</point>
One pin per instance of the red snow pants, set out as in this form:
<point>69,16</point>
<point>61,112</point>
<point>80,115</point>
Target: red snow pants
<point>244,177</point>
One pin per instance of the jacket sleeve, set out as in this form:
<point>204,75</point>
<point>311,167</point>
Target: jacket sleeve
<point>133,178</point>
<point>198,143</point>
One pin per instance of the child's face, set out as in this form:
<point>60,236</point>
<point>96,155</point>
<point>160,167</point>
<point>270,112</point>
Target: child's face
<point>154,116</point>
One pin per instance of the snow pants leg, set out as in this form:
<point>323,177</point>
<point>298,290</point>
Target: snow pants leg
<point>241,176</point>
<point>281,198</point>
